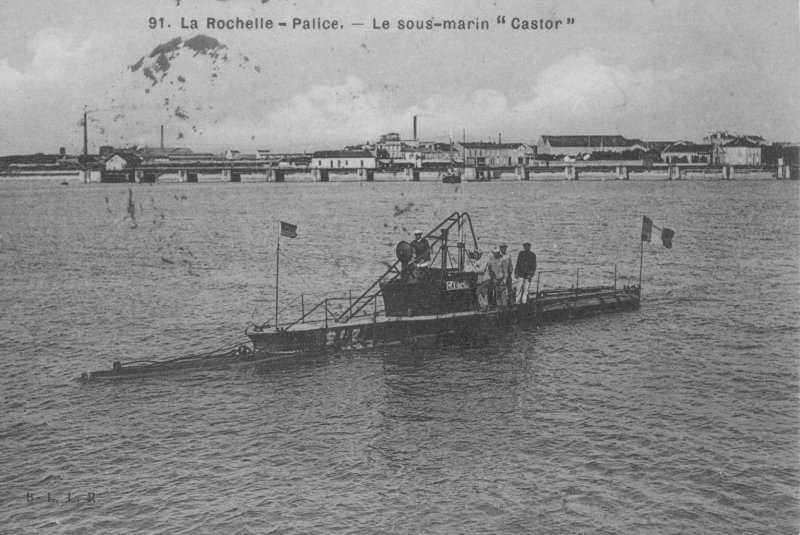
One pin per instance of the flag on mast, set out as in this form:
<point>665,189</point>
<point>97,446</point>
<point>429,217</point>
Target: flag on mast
<point>647,228</point>
<point>288,230</point>
<point>647,232</point>
<point>666,237</point>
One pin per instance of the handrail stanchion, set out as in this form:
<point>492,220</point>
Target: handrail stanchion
<point>326,313</point>
<point>538,278</point>
<point>615,276</point>
<point>302,309</point>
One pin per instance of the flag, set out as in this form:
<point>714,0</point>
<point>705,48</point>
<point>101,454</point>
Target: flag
<point>666,238</point>
<point>647,228</point>
<point>288,230</point>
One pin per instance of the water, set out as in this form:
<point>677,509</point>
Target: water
<point>678,418</point>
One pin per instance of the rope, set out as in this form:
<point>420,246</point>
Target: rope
<point>219,352</point>
<point>636,259</point>
<point>261,295</point>
<point>296,272</point>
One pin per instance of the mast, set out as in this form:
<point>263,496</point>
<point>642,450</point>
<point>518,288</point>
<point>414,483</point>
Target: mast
<point>443,252</point>
<point>85,135</point>
<point>451,154</point>
<point>277,277</point>
<point>641,262</point>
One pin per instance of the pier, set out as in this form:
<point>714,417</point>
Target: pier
<point>228,171</point>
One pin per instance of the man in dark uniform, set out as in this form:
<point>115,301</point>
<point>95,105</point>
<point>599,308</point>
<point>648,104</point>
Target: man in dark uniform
<point>421,247</point>
<point>526,267</point>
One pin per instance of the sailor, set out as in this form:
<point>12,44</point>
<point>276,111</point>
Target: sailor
<point>526,267</point>
<point>510,270</point>
<point>421,248</point>
<point>484,279</point>
<point>498,273</point>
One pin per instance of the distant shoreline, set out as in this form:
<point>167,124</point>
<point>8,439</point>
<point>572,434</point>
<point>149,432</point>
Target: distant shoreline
<point>428,176</point>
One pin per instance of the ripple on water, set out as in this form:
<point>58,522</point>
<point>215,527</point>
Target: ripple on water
<point>680,417</point>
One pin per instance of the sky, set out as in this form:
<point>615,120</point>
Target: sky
<point>647,69</point>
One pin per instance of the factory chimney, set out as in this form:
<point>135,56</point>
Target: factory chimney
<point>415,127</point>
<point>85,136</point>
<point>499,138</point>
<point>162,137</point>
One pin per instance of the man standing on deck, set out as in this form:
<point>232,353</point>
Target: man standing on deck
<point>421,248</point>
<point>526,267</point>
<point>498,272</point>
<point>510,269</point>
<point>482,291</point>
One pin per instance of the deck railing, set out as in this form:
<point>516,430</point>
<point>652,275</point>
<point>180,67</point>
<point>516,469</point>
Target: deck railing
<point>312,315</point>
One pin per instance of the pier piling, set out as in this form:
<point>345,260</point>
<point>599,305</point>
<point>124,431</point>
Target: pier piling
<point>571,173</point>
<point>320,175</point>
<point>187,176</point>
<point>727,172</point>
<point>367,175</point>
<point>411,174</point>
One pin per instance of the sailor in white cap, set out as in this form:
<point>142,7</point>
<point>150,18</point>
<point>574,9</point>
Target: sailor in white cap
<point>421,248</point>
<point>498,271</point>
<point>484,280</point>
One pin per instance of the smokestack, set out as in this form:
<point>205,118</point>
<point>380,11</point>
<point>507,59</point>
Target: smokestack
<point>162,137</point>
<point>499,138</point>
<point>85,136</point>
<point>415,127</point>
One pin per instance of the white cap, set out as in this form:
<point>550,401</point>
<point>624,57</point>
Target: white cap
<point>417,232</point>
<point>496,250</point>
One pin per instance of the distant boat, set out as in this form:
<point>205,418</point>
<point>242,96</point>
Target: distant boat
<point>451,177</point>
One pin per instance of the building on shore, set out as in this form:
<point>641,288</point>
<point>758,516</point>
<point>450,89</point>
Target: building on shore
<point>162,154</point>
<point>494,154</point>
<point>24,162</point>
<point>192,157</point>
<point>740,151</point>
<point>428,152</point>
<point>780,151</point>
<point>343,159</point>
<point>584,144</point>
<point>688,152</point>
<point>721,137</point>
<point>120,160</point>
<point>391,147</point>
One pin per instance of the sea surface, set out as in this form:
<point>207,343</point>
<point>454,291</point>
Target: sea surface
<point>681,417</point>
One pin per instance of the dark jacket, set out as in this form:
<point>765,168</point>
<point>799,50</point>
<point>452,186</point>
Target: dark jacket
<point>526,264</point>
<point>422,250</point>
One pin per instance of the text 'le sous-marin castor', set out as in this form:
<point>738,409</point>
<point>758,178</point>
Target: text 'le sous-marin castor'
<point>319,23</point>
